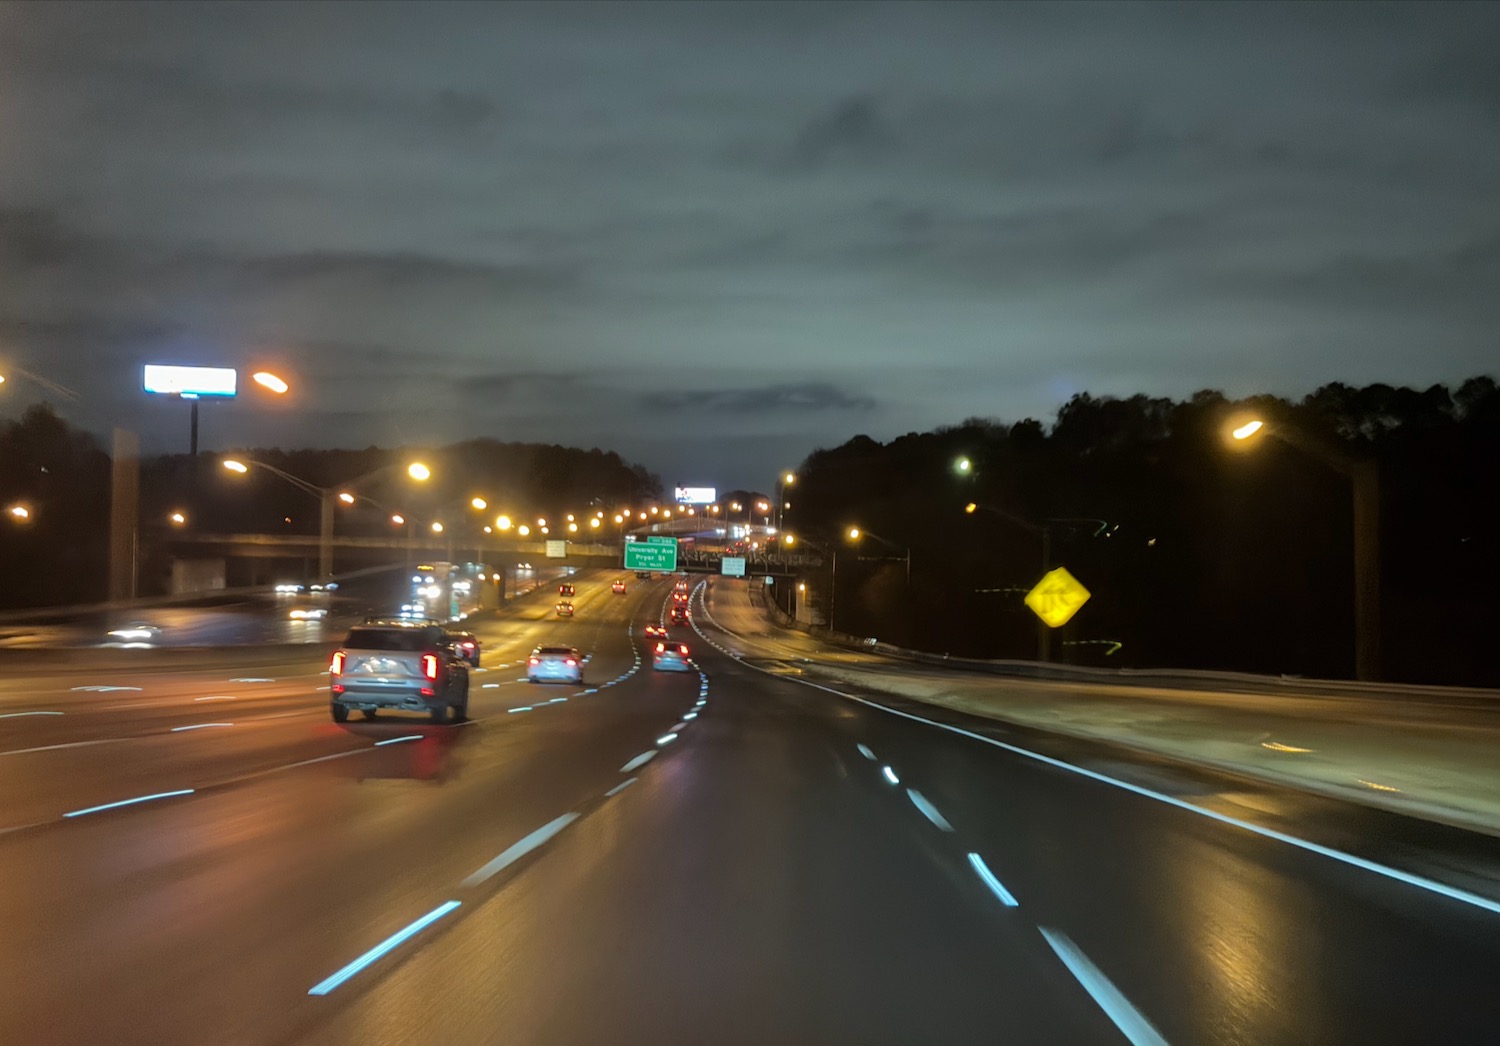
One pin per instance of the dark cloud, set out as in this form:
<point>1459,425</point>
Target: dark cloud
<point>767,399</point>
<point>555,222</point>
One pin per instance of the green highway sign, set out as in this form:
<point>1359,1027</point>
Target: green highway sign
<point>658,554</point>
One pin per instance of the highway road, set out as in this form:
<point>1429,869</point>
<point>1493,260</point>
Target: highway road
<point>726,856</point>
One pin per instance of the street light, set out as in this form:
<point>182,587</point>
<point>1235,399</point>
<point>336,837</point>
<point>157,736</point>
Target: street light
<point>572,528</point>
<point>594,523</point>
<point>523,530</point>
<point>327,496</point>
<point>502,522</point>
<point>963,466</point>
<point>265,379</point>
<point>20,513</point>
<point>397,518</point>
<point>479,504</point>
<point>1363,474</point>
<point>437,528</point>
<point>177,519</point>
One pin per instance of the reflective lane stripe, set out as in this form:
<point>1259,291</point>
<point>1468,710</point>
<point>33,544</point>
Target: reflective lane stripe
<point>1126,1017</point>
<point>395,940</point>
<point>983,871</point>
<point>128,802</point>
<point>929,811</point>
<point>514,853</point>
<point>638,762</point>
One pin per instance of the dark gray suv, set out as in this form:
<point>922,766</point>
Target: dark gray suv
<point>392,667</point>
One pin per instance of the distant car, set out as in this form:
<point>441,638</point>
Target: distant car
<point>618,588</point>
<point>307,614</point>
<point>678,615</point>
<point>565,609</point>
<point>644,575</point>
<point>679,597</point>
<point>136,632</point>
<point>671,657</point>
<point>681,585</point>
<point>566,590</point>
<point>555,664</point>
<point>656,632</point>
<point>466,646</point>
<point>398,667</point>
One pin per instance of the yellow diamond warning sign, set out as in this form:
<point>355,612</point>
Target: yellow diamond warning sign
<point>1057,597</point>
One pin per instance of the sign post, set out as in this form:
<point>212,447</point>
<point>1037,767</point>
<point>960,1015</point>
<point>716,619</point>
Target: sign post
<point>1057,597</point>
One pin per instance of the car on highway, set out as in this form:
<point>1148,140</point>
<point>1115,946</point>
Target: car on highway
<point>466,645</point>
<point>564,609</point>
<point>643,575</point>
<point>678,614</point>
<point>618,588</point>
<point>566,589</point>
<point>679,597</point>
<point>307,614</point>
<point>656,632</point>
<point>681,585</point>
<point>135,632</point>
<point>672,657</point>
<point>396,667</point>
<point>555,664</point>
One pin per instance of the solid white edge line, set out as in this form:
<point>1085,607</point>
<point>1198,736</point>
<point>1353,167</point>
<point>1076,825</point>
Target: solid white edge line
<point>519,850</point>
<point>20,715</point>
<point>929,811</point>
<point>1396,874</point>
<point>996,886</point>
<point>1409,878</point>
<point>1131,1022</point>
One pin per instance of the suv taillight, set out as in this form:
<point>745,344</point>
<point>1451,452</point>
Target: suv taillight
<point>536,661</point>
<point>337,664</point>
<point>661,647</point>
<point>429,665</point>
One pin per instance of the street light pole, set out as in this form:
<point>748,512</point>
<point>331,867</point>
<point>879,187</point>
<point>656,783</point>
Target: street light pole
<point>1364,481</point>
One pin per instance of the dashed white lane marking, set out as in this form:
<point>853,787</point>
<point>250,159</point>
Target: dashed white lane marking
<point>988,878</point>
<point>617,789</point>
<point>70,744</point>
<point>521,849</point>
<point>198,726</point>
<point>1132,1024</point>
<point>225,697</point>
<point>638,762</point>
<point>864,750</point>
<point>1396,874</point>
<point>22,715</point>
<point>331,982</point>
<point>929,811</point>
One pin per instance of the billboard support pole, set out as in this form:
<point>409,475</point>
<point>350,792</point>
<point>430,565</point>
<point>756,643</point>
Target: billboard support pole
<point>193,431</point>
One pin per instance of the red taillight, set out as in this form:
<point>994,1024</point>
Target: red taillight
<point>536,661</point>
<point>337,665</point>
<point>571,661</point>
<point>661,647</point>
<point>337,688</point>
<point>429,665</point>
<point>682,650</point>
<point>468,646</point>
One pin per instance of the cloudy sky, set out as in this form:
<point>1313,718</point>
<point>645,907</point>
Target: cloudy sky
<point>715,237</point>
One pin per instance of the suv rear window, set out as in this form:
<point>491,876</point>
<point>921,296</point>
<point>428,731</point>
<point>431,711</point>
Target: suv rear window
<point>406,639</point>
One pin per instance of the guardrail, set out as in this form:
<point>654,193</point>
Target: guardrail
<point>1166,678</point>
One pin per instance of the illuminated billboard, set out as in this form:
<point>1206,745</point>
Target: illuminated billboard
<point>170,380</point>
<point>696,495</point>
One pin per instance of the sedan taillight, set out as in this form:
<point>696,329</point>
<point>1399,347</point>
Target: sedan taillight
<point>571,662</point>
<point>536,661</point>
<point>429,665</point>
<point>661,647</point>
<point>337,665</point>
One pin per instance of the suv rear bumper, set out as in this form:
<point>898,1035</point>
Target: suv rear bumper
<point>394,698</point>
